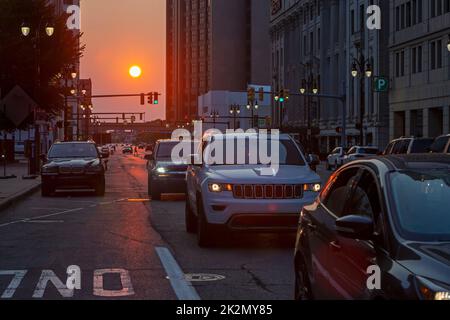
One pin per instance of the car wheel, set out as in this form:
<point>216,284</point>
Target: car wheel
<point>46,190</point>
<point>205,238</point>
<point>100,188</point>
<point>302,285</point>
<point>191,220</point>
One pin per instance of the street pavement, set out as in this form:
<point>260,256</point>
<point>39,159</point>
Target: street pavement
<point>16,188</point>
<point>129,247</point>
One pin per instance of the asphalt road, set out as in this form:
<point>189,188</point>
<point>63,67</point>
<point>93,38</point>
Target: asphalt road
<point>129,247</point>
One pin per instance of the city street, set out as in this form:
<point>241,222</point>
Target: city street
<point>122,231</point>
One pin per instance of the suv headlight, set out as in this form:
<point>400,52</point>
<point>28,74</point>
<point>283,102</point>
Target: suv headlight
<point>219,187</point>
<point>161,170</point>
<point>97,168</point>
<point>313,187</point>
<point>429,290</point>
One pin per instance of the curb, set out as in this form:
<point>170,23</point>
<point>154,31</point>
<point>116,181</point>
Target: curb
<point>19,196</point>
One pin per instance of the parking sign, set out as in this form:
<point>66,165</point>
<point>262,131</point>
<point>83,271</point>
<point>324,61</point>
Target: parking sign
<point>380,84</point>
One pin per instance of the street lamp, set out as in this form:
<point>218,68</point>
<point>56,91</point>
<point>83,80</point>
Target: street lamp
<point>25,29</point>
<point>362,68</point>
<point>49,30</point>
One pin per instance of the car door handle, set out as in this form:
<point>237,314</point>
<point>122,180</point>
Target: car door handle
<point>335,246</point>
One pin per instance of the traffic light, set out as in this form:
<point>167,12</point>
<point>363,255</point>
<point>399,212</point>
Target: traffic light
<point>142,99</point>
<point>150,98</point>
<point>282,97</point>
<point>261,94</point>
<point>251,94</point>
<point>286,94</point>
<point>155,98</point>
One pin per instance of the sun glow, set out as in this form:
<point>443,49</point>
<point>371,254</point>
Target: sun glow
<point>135,71</point>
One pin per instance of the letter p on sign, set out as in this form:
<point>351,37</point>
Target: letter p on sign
<point>381,84</point>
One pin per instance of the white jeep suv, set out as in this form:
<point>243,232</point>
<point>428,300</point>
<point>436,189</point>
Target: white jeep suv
<point>241,197</point>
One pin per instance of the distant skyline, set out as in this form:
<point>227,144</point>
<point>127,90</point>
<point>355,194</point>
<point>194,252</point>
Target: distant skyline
<point>118,35</point>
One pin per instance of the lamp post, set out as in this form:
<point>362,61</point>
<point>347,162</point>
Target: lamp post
<point>235,110</point>
<point>69,74</point>
<point>253,105</point>
<point>309,86</point>
<point>362,68</point>
<point>214,115</point>
<point>26,30</point>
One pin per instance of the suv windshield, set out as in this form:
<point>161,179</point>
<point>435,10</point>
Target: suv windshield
<point>246,151</point>
<point>422,201</point>
<point>165,150</point>
<point>73,150</point>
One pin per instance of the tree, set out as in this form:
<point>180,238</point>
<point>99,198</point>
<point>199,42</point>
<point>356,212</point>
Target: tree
<point>19,58</point>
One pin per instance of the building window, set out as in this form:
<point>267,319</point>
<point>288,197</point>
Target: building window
<point>433,55</point>
<point>397,18</point>
<point>408,14</point>
<point>416,63</point>
<point>352,17</point>
<point>400,64</point>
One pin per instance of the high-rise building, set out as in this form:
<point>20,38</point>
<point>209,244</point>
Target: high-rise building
<point>419,96</point>
<point>73,104</point>
<point>314,45</point>
<point>214,45</point>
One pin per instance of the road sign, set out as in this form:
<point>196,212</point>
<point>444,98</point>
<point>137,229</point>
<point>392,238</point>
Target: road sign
<point>18,105</point>
<point>380,84</point>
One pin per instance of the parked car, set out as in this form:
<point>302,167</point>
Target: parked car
<point>334,159</point>
<point>73,165</point>
<point>127,150</point>
<point>239,197</point>
<point>409,146</point>
<point>389,213</point>
<point>165,176</point>
<point>356,153</point>
<point>441,144</point>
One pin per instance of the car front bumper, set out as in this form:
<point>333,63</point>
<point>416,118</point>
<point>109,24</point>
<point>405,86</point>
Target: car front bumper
<point>85,181</point>
<point>170,182</point>
<point>269,215</point>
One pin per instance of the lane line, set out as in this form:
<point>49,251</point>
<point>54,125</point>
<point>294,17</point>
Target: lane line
<point>40,217</point>
<point>183,289</point>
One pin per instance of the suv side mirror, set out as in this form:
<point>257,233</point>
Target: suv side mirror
<point>355,227</point>
<point>314,160</point>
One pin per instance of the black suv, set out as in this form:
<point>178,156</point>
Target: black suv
<point>73,165</point>
<point>165,176</point>
<point>388,213</point>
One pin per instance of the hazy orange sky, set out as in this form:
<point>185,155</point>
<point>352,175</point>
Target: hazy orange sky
<point>119,34</point>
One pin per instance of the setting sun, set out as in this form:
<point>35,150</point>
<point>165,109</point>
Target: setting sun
<point>135,71</point>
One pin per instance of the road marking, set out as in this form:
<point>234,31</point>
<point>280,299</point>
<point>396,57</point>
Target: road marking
<point>183,289</point>
<point>49,208</point>
<point>127,287</point>
<point>15,282</point>
<point>40,217</point>
<point>44,221</point>
<point>49,276</point>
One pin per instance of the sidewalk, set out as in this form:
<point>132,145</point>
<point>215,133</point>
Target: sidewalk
<point>12,190</point>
